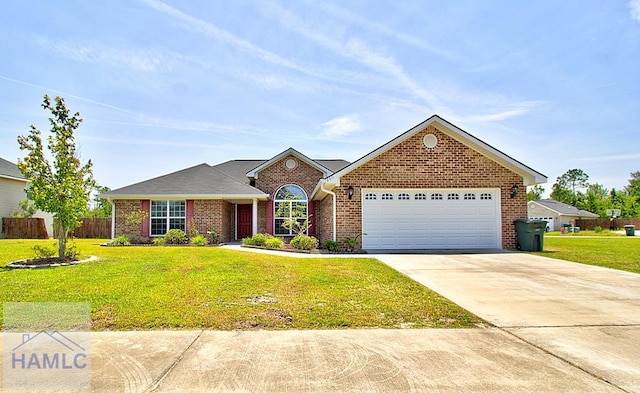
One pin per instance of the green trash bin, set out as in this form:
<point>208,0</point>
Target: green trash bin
<point>530,234</point>
<point>630,230</point>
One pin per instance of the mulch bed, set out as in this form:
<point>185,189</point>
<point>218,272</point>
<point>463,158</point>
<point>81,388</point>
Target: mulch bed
<point>46,262</point>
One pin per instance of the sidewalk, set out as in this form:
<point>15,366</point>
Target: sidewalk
<point>466,360</point>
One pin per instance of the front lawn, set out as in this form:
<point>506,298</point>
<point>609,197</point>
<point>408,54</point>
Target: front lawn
<point>622,253</point>
<point>138,288</point>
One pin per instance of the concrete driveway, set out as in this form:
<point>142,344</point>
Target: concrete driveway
<point>587,316</point>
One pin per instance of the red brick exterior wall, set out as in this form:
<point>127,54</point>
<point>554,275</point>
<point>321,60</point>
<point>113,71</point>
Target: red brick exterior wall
<point>208,215</point>
<point>214,214</point>
<point>125,207</point>
<point>271,178</point>
<point>411,165</point>
<point>324,219</point>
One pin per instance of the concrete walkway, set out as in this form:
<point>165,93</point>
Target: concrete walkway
<point>561,327</point>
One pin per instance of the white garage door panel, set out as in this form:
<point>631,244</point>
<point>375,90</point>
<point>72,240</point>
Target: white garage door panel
<point>430,223</point>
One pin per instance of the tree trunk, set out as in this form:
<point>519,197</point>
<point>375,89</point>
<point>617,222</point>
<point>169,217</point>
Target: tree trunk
<point>62,240</point>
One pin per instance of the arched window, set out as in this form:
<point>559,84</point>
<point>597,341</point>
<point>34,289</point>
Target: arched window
<point>290,204</point>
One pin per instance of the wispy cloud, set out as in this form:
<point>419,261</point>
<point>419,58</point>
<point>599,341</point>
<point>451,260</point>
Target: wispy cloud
<point>514,110</point>
<point>139,59</point>
<point>49,90</point>
<point>634,6</point>
<point>610,158</point>
<point>379,28</point>
<point>202,27</point>
<point>341,126</point>
<point>357,50</point>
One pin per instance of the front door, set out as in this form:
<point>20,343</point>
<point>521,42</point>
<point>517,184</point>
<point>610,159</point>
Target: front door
<point>244,221</point>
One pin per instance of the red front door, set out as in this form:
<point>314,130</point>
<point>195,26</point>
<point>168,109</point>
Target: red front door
<point>244,221</point>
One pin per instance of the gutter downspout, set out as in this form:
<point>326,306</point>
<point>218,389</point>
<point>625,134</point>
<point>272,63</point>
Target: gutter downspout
<point>333,195</point>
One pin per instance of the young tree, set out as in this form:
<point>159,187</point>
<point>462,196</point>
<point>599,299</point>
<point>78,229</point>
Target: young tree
<point>535,193</point>
<point>63,186</point>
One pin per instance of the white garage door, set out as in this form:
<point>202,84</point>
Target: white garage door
<point>431,218</point>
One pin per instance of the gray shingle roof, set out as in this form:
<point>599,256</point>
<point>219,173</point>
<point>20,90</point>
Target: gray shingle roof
<point>239,168</point>
<point>225,179</point>
<point>8,168</point>
<point>200,180</point>
<point>564,209</point>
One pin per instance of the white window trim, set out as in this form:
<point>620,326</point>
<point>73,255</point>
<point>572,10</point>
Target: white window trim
<point>168,217</point>
<point>290,201</point>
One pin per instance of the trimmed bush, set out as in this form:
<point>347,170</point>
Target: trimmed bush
<point>260,238</point>
<point>121,241</point>
<point>331,245</point>
<point>304,242</point>
<point>199,240</point>
<point>273,242</point>
<point>158,241</point>
<point>175,236</point>
<point>597,229</point>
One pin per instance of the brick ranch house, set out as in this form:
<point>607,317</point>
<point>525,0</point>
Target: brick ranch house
<point>433,187</point>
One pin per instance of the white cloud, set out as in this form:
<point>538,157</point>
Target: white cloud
<point>613,157</point>
<point>341,126</point>
<point>515,110</point>
<point>382,29</point>
<point>356,50</point>
<point>634,6</point>
<point>140,59</point>
<point>210,30</point>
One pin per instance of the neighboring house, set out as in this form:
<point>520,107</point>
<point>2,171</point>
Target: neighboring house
<point>557,213</point>
<point>433,187</point>
<point>12,191</point>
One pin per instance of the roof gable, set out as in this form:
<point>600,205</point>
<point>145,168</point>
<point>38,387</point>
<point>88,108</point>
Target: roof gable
<point>529,175</point>
<point>202,181</point>
<point>253,173</point>
<point>563,209</point>
<point>10,170</point>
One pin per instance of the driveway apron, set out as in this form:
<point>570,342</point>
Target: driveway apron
<point>588,316</point>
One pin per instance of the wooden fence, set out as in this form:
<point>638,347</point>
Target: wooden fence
<point>24,228</point>
<point>92,228</point>
<point>606,223</point>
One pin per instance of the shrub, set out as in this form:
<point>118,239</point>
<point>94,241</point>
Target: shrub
<point>199,240</point>
<point>273,242</point>
<point>260,238</point>
<point>351,243</point>
<point>72,251</point>
<point>331,245</point>
<point>121,241</point>
<point>247,241</point>
<point>215,237</point>
<point>133,223</point>
<point>159,241</point>
<point>175,236</point>
<point>43,252</point>
<point>597,229</point>
<point>304,242</point>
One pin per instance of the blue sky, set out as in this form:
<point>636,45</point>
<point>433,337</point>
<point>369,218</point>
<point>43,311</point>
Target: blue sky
<point>162,86</point>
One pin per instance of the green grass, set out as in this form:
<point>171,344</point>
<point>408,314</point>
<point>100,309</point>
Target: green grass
<point>603,233</point>
<point>622,253</point>
<point>142,288</point>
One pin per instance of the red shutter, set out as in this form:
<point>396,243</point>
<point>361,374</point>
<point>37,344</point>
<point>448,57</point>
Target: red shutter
<point>269,216</point>
<point>145,206</point>
<point>311,210</point>
<point>189,213</point>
